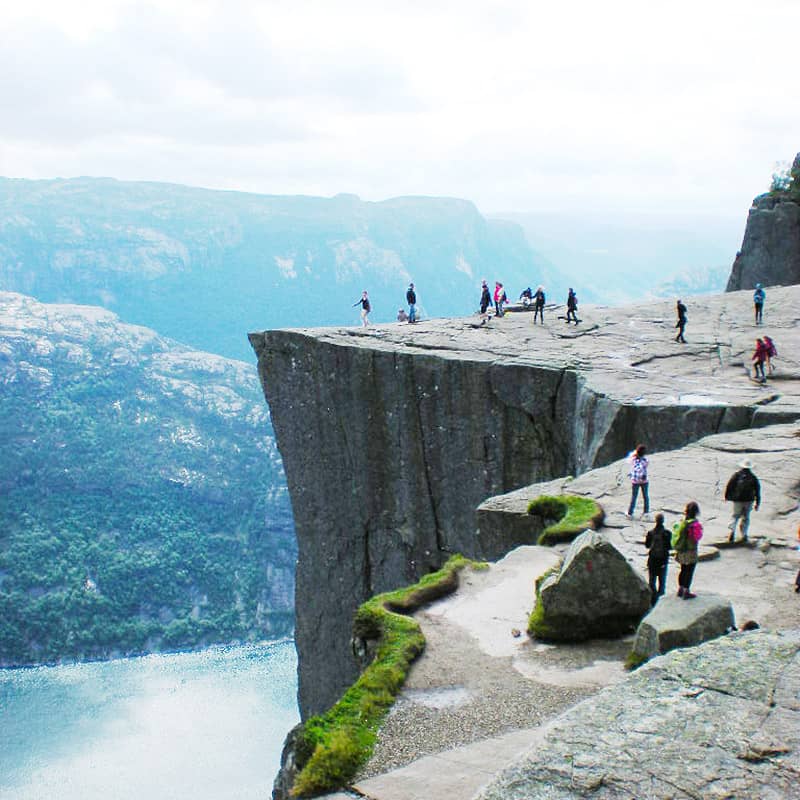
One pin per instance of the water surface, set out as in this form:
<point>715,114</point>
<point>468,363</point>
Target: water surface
<point>206,726</point>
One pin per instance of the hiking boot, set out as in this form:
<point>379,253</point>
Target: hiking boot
<point>680,591</point>
<point>687,595</point>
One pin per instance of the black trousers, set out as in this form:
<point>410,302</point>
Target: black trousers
<point>685,575</point>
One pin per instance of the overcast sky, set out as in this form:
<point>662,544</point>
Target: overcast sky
<point>659,107</point>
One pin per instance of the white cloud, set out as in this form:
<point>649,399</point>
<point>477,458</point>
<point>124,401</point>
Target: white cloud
<point>623,105</point>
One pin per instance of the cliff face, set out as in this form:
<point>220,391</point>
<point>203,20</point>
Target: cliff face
<point>770,252</point>
<point>392,436</point>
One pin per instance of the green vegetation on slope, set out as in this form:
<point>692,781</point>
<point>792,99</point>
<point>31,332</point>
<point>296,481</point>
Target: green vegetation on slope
<point>336,744</point>
<point>138,507</point>
<point>566,516</point>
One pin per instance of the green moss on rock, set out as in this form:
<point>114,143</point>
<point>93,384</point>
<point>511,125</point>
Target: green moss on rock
<point>341,740</point>
<point>566,516</point>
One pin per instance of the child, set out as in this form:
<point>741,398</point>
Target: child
<point>687,534</point>
<point>658,543</point>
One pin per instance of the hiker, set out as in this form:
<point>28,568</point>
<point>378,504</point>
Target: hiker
<point>681,323</point>
<point>526,297</point>
<point>499,298</point>
<point>572,306</point>
<point>657,541</point>
<point>411,299</point>
<point>772,352</point>
<point>486,298</point>
<point>401,315</point>
<point>758,359</point>
<point>743,490</point>
<point>638,476</point>
<point>759,295</point>
<point>365,308</point>
<point>685,536</point>
<point>538,304</point>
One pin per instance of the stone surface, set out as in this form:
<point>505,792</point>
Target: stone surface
<point>596,593</point>
<point>391,436</point>
<point>676,622</point>
<point>717,721</point>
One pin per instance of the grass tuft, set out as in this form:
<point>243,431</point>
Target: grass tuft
<point>571,515</point>
<point>341,740</point>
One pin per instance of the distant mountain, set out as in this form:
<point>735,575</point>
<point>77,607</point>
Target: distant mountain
<point>143,501</point>
<point>619,259</point>
<point>204,267</point>
<point>689,282</point>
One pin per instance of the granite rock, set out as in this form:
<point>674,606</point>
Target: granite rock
<point>675,622</point>
<point>596,593</point>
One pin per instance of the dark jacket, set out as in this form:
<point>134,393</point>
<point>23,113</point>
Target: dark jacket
<point>540,299</point>
<point>743,487</point>
<point>411,297</point>
<point>572,301</point>
<point>681,308</point>
<point>657,542</point>
<point>486,298</point>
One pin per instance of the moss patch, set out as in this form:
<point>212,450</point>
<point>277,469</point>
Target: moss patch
<point>341,740</point>
<point>568,516</point>
<point>634,661</point>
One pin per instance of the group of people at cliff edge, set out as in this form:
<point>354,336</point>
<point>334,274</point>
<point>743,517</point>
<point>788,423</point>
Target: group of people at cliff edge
<point>528,298</point>
<point>743,490</point>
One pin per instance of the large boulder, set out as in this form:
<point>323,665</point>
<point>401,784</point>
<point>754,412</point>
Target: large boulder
<point>596,593</point>
<point>675,622</point>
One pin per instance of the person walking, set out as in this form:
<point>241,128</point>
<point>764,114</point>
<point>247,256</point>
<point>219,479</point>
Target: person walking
<point>685,537</point>
<point>486,297</point>
<point>681,323</point>
<point>639,480</point>
<point>743,489</point>
<point>538,304</point>
<point>572,307</point>
<point>758,359</point>
<point>365,308</point>
<point>772,352</point>
<point>759,295</point>
<point>657,541</point>
<point>411,299</point>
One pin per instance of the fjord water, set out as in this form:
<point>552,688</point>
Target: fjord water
<point>205,725</point>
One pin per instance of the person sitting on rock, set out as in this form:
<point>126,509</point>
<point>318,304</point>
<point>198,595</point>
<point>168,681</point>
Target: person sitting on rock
<point>658,542</point>
<point>401,315</point>
<point>743,489</point>
<point>526,296</point>
<point>686,535</point>
<point>758,359</point>
<point>639,480</point>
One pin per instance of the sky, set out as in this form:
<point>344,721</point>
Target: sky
<point>679,108</point>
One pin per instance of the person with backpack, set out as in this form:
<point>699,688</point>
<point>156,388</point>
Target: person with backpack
<point>639,480</point>
<point>538,304</point>
<point>758,359</point>
<point>743,489</point>
<point>499,298</point>
<point>572,307</point>
<point>365,308</point>
<point>658,542</point>
<point>759,295</point>
<point>685,537</point>
<point>411,299</point>
<point>772,352</point>
<point>681,323</point>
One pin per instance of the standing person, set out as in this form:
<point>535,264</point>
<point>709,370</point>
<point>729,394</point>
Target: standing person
<point>772,351</point>
<point>538,304</point>
<point>758,359</point>
<point>411,299</point>
<point>685,537</point>
<point>572,306</point>
<point>365,308</point>
<point>486,298</point>
<point>658,541</point>
<point>499,298</point>
<point>743,490</point>
<point>759,295</point>
<point>681,323</point>
<point>639,480</point>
